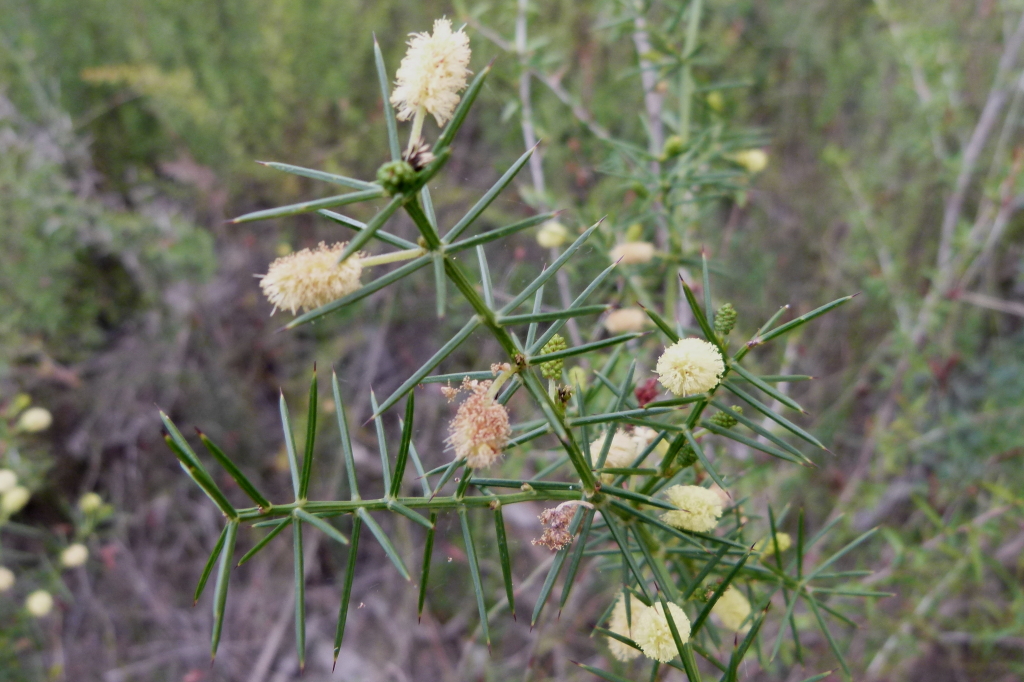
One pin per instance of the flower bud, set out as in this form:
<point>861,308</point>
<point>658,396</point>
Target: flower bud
<point>725,319</point>
<point>674,146</point>
<point>553,370</point>
<point>396,176</point>
<point>90,503</point>
<point>14,500</point>
<point>34,420</point>
<point>6,579</point>
<point>726,420</point>
<point>625,320</point>
<point>8,479</point>
<point>39,603</point>
<point>552,234</point>
<point>754,160</point>
<point>633,253</point>
<point>74,555</point>
<point>715,101</point>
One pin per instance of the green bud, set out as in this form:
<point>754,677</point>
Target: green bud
<point>396,176</point>
<point>726,420</point>
<point>674,146</point>
<point>725,319</point>
<point>686,456</point>
<point>553,370</point>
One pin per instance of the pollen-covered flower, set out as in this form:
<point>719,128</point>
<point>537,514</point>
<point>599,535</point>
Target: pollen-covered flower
<point>652,633</point>
<point>432,73</point>
<point>690,366</point>
<point>633,253</point>
<point>14,500</point>
<point>74,555</point>
<point>8,479</point>
<point>552,234</point>
<point>732,609</point>
<point>698,508</point>
<point>39,603</point>
<point>6,579</point>
<point>621,452</point>
<point>620,625</point>
<point>34,420</point>
<point>625,320</point>
<point>480,428</point>
<point>767,546</point>
<point>310,278</point>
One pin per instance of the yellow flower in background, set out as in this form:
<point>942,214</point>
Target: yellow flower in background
<point>625,320</point>
<point>310,278</point>
<point>8,480</point>
<point>6,579</point>
<point>698,508</point>
<point>34,420</point>
<point>14,500</point>
<point>619,624</point>
<point>39,603</point>
<point>754,160</point>
<point>732,608</point>
<point>552,234</point>
<point>90,503</point>
<point>432,73</point>
<point>767,547</point>
<point>633,253</point>
<point>652,633</point>
<point>74,555</point>
<point>690,366</point>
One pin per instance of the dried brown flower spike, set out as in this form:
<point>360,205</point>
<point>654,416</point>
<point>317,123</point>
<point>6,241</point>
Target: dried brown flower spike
<point>557,519</point>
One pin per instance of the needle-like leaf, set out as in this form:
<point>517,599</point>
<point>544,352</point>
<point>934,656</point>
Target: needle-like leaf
<point>403,448</point>
<point>428,550</point>
<point>384,541</point>
<point>504,559</point>
<point>281,525</point>
<point>307,458</point>
<point>315,521</point>
<point>358,226</point>
<point>389,112</point>
<point>307,206</point>
<point>289,444</point>
<point>247,487</point>
<point>474,572</point>
<point>346,589</point>
<point>300,591</point>
<point>220,594</point>
<point>210,563</point>
<point>320,175</point>
<point>346,440</point>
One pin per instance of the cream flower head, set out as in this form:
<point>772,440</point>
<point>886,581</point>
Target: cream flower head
<point>310,278</point>
<point>633,253</point>
<point>74,555</point>
<point>552,234</point>
<point>754,160</point>
<point>90,503</point>
<point>34,420</point>
<point>7,579</point>
<point>731,609</point>
<point>432,73</point>
<point>621,453</point>
<point>652,633</point>
<point>699,508</point>
<point>480,429</point>
<point>619,624</point>
<point>625,320</point>
<point>39,603</point>
<point>766,546</point>
<point>14,500</point>
<point>8,479</point>
<point>690,366</point>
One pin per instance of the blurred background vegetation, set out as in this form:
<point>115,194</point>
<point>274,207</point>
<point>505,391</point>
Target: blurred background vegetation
<point>128,133</point>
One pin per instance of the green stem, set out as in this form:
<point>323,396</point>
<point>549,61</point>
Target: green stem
<point>393,257</point>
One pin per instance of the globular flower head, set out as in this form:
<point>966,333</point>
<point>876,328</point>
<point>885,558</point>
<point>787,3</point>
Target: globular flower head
<point>432,73</point>
<point>633,253</point>
<point>39,603</point>
<point>14,500</point>
<point>480,428</point>
<point>698,508</point>
<point>625,320</point>
<point>6,579</point>
<point>74,555</point>
<point>652,633</point>
<point>767,545</point>
<point>310,278</point>
<point>8,480</point>
<point>621,453</point>
<point>732,609</point>
<point>34,420</point>
<point>754,160</point>
<point>552,234</point>
<point>690,366</point>
<point>620,625</point>
<point>90,503</point>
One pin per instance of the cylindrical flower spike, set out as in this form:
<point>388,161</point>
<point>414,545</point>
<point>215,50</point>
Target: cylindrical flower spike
<point>480,428</point>
<point>698,508</point>
<point>432,73</point>
<point>732,609</point>
<point>690,366</point>
<point>652,633</point>
<point>310,278</point>
<point>619,623</point>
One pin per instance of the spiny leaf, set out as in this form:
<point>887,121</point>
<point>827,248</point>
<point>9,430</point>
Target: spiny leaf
<point>307,458</point>
<point>498,233</point>
<point>346,589</point>
<point>487,198</point>
<point>575,305</point>
<point>803,319</point>
<point>750,442</point>
<point>428,550</point>
<point>384,541</point>
<point>585,348</point>
<point>289,444</point>
<point>358,226</point>
<point>474,572</point>
<point>702,320</point>
<point>543,277</point>
<point>300,591</point>
<point>504,559</point>
<point>247,487</point>
<point>320,175</point>
<point>382,446</point>
<point>767,388</point>
<point>440,284</point>
<point>771,414</point>
<point>389,113</point>
<point>220,593</point>
<point>705,462</point>
<point>408,513</point>
<point>328,530</point>
<point>403,448</point>
<point>282,524</point>
<point>551,315</point>
<point>577,555</point>
<point>205,575</point>
<point>368,232</point>
<point>346,440</point>
<point>719,591</point>
<point>307,206</point>
<point>664,326</point>
<point>201,478</point>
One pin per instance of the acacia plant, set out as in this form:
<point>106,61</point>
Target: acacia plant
<point>634,483</point>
